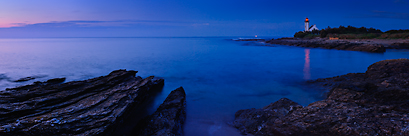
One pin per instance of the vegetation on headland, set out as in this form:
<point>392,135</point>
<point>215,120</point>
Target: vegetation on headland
<point>351,32</point>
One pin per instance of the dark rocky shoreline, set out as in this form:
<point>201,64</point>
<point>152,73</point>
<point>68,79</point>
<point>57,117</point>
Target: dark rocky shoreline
<point>367,45</point>
<point>329,44</point>
<point>104,105</point>
<point>372,103</point>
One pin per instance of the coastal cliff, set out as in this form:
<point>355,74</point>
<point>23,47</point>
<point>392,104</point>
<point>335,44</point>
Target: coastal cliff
<point>104,105</point>
<point>372,103</point>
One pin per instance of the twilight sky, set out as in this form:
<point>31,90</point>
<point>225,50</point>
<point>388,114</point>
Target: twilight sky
<point>187,18</point>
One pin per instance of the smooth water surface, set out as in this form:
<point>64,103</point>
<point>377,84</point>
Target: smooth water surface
<point>220,76</point>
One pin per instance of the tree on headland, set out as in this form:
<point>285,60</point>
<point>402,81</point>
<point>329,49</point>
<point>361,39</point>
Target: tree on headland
<point>315,32</point>
<point>351,32</point>
<point>308,34</point>
<point>300,34</point>
<point>397,31</point>
<point>323,33</point>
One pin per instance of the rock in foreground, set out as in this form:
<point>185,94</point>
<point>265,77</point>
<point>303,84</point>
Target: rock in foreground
<point>251,120</point>
<point>371,103</point>
<point>168,118</point>
<point>96,106</point>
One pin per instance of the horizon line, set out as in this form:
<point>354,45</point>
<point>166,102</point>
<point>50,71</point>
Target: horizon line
<point>140,37</point>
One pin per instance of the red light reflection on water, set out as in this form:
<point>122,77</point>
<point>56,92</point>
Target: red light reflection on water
<point>307,74</point>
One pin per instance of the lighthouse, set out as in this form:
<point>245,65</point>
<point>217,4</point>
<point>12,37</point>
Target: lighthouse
<point>307,25</point>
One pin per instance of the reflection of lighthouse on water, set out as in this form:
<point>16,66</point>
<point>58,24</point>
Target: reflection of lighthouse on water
<point>307,74</point>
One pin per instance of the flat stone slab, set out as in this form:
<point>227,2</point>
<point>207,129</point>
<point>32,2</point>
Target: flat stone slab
<point>91,107</point>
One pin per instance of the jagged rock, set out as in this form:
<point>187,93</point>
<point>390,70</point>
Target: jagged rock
<point>367,47</point>
<point>55,80</point>
<point>252,120</point>
<point>96,106</point>
<point>371,103</point>
<point>24,79</point>
<point>404,45</point>
<point>168,118</point>
<point>27,78</point>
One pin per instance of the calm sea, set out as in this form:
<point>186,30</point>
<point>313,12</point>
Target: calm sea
<point>220,76</point>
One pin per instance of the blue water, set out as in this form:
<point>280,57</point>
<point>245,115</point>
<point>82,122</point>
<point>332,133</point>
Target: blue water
<point>220,76</point>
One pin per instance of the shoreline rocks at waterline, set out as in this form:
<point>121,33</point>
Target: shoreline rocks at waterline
<point>330,44</point>
<point>372,103</point>
<point>366,45</point>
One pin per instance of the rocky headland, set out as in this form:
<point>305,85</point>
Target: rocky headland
<point>106,105</point>
<point>329,44</point>
<point>372,103</point>
<point>367,45</point>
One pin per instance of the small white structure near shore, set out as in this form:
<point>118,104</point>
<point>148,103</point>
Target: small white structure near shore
<point>309,28</point>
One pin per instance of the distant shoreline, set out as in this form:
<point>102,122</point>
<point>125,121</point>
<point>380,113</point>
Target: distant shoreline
<point>367,45</point>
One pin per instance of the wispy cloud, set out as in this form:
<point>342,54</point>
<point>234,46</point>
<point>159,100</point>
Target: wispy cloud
<point>200,24</point>
<point>115,23</point>
<point>383,14</point>
<point>18,24</point>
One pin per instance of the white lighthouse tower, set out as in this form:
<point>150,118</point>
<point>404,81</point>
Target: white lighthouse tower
<point>307,25</point>
<point>309,28</point>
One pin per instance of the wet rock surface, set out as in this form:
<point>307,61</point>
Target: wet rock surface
<point>24,79</point>
<point>168,118</point>
<point>404,45</point>
<point>253,120</point>
<point>372,103</point>
<point>96,106</point>
<point>330,44</point>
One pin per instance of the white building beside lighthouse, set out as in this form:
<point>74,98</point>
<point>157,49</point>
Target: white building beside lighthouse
<point>309,28</point>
